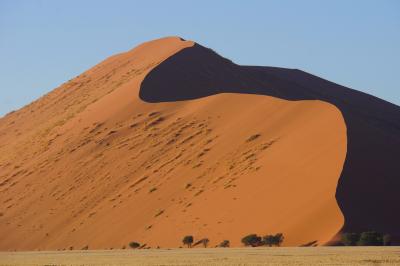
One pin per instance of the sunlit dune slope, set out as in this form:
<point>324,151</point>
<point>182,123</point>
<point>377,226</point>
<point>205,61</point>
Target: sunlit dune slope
<point>91,164</point>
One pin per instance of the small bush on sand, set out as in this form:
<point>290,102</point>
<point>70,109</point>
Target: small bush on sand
<point>278,239</point>
<point>188,241</point>
<point>205,242</point>
<point>273,240</point>
<point>252,240</point>
<point>387,240</point>
<point>371,238</point>
<point>224,244</point>
<point>134,245</point>
<point>350,239</point>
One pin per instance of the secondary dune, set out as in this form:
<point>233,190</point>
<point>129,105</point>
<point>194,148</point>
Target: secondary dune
<point>125,152</point>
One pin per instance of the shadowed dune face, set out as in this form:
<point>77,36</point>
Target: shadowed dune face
<point>367,189</point>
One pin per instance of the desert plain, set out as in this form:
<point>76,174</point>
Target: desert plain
<point>211,256</point>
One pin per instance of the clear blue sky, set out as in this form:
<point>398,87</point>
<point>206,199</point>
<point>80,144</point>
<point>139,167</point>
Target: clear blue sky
<point>353,43</point>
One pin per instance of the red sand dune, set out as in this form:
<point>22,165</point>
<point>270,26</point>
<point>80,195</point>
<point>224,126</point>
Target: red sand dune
<point>170,139</point>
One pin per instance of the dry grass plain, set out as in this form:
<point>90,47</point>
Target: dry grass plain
<point>211,256</point>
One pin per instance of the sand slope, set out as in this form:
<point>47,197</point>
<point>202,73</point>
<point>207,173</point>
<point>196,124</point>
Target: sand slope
<point>93,164</point>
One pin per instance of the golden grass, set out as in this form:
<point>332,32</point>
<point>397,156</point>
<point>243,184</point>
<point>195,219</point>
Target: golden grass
<point>211,256</point>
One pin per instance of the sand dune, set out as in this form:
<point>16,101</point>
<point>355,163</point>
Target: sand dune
<point>367,189</point>
<point>104,159</point>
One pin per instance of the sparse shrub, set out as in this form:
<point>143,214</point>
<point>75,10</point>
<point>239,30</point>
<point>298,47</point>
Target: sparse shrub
<point>370,238</point>
<point>224,244</point>
<point>350,239</point>
<point>188,240</point>
<point>252,240</point>
<point>278,239</point>
<point>268,240</point>
<point>273,240</point>
<point>387,240</point>
<point>205,242</point>
<point>134,245</point>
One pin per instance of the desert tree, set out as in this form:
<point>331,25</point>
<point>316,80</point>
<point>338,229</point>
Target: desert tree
<point>188,240</point>
<point>268,240</point>
<point>224,244</point>
<point>370,238</point>
<point>350,239</point>
<point>387,240</point>
<point>278,239</point>
<point>252,240</point>
<point>205,242</point>
<point>134,245</point>
<point>273,240</point>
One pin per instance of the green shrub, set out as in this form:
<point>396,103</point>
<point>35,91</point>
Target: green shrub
<point>350,239</point>
<point>252,240</point>
<point>224,244</point>
<point>134,245</point>
<point>278,239</point>
<point>268,240</point>
<point>273,240</point>
<point>205,242</point>
<point>387,240</point>
<point>188,240</point>
<point>370,238</point>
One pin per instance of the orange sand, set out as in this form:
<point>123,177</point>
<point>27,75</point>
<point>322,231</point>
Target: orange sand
<point>92,164</point>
